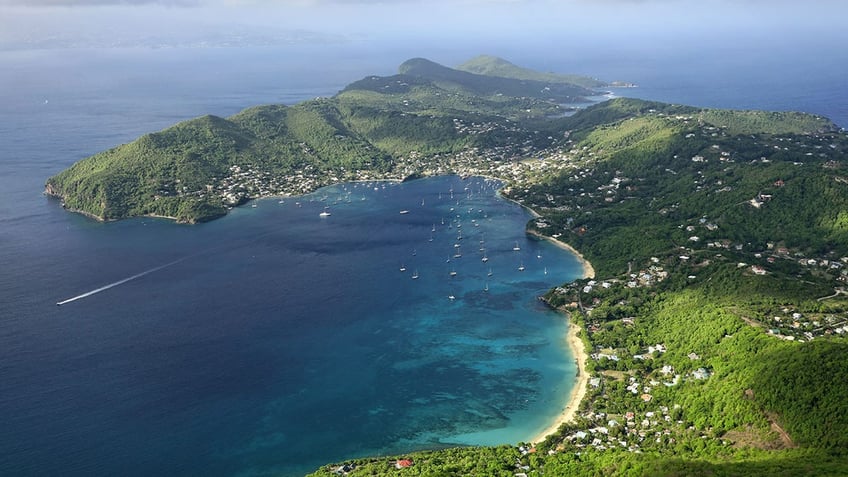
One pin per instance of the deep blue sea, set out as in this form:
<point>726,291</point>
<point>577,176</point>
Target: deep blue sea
<point>274,340</point>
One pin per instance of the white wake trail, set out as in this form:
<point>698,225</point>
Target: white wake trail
<point>119,282</point>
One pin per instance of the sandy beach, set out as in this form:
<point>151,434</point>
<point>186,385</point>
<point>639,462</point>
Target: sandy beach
<point>578,392</point>
<point>573,341</point>
<point>588,270</point>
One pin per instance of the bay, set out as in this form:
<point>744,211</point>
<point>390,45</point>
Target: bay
<point>277,340</point>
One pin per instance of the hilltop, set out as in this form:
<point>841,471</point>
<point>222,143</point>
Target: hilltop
<point>494,66</point>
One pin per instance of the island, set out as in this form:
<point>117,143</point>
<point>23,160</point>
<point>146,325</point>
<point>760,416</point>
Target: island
<point>713,328</point>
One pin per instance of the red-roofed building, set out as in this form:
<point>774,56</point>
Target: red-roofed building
<point>403,463</point>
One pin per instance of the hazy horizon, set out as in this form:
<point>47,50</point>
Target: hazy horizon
<point>493,25</point>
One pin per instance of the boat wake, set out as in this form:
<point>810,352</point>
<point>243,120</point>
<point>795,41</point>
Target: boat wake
<point>120,282</point>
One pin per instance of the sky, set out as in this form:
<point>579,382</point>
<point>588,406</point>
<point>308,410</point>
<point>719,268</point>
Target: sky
<point>651,23</point>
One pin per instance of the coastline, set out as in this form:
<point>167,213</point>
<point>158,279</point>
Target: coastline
<point>588,270</point>
<point>574,343</point>
<point>578,392</point>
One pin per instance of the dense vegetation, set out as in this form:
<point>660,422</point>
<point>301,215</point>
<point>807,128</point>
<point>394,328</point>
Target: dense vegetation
<point>717,318</point>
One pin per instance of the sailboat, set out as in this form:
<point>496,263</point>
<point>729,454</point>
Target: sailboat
<point>402,268</point>
<point>325,213</point>
<point>521,267</point>
<point>415,275</point>
<point>487,287</point>
<point>516,247</point>
<point>490,272</point>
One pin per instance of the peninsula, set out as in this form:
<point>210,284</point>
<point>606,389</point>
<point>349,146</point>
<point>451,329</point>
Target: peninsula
<point>428,119</point>
<point>716,318</point>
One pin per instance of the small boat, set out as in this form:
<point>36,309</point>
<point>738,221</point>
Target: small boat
<point>433,229</point>
<point>402,268</point>
<point>451,297</point>
<point>516,247</point>
<point>485,258</point>
<point>521,268</point>
<point>453,273</point>
<point>404,212</point>
<point>546,270</point>
<point>325,213</point>
<point>415,275</point>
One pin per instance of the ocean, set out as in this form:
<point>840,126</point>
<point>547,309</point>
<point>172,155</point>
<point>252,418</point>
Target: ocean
<point>274,340</point>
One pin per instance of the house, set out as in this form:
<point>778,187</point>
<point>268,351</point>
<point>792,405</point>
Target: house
<point>403,463</point>
<point>701,373</point>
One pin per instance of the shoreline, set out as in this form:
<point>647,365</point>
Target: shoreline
<point>578,392</point>
<point>572,341</point>
<point>588,269</point>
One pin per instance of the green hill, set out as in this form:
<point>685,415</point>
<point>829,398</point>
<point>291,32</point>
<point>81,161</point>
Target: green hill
<point>494,66</point>
<point>489,85</point>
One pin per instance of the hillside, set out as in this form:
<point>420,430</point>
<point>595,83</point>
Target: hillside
<point>488,85</point>
<point>376,128</point>
<point>494,66</point>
